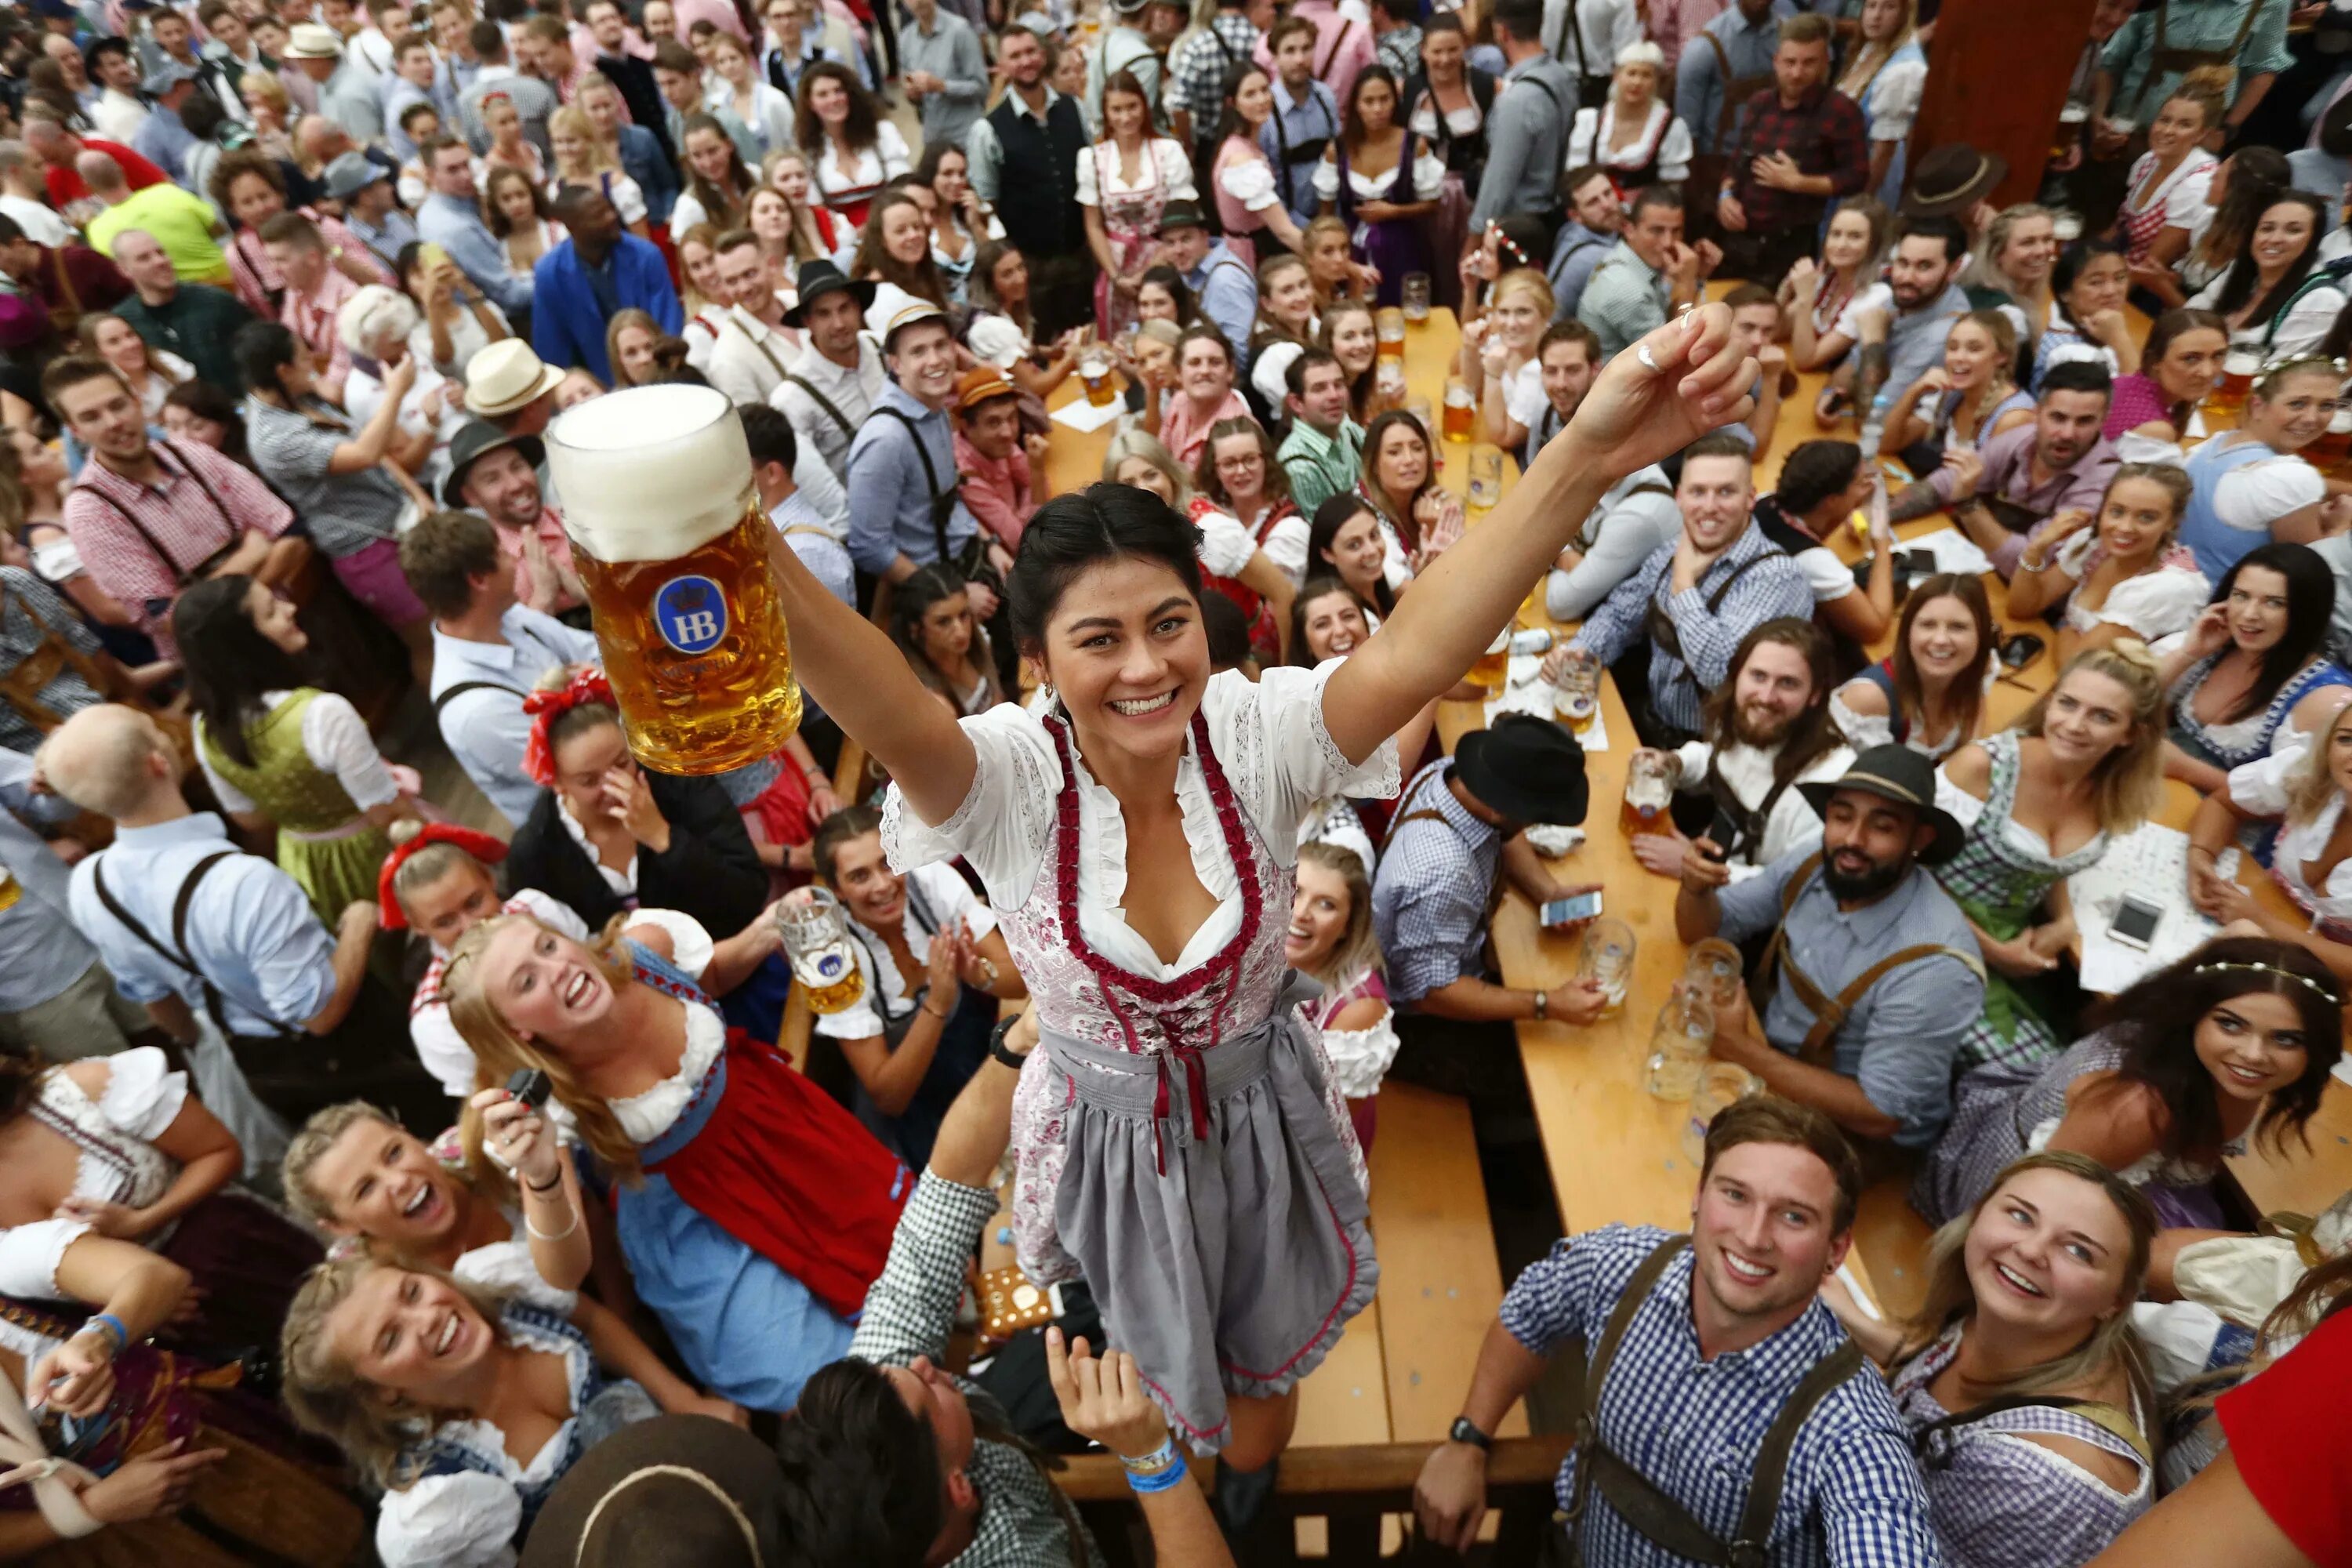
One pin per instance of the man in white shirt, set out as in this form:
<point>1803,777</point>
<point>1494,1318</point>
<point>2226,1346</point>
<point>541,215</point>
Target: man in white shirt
<point>21,193</point>
<point>776,463</point>
<point>119,113</point>
<point>830,388</point>
<point>1767,730</point>
<point>375,48</point>
<point>488,651</point>
<point>748,361</point>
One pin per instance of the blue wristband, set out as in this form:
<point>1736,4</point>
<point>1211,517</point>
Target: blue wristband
<point>112,1324</point>
<point>1161,1482</point>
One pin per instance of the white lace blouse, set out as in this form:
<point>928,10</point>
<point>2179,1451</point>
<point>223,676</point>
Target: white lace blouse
<point>2262,787</point>
<point>1428,180</point>
<point>2151,605</point>
<point>1278,757</point>
<point>138,1104</point>
<point>1594,129</point>
<point>645,1117</point>
<point>1169,171</point>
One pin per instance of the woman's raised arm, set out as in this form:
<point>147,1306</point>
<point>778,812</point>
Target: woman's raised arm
<point>1633,416</point>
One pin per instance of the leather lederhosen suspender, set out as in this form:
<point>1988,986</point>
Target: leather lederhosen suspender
<point>463,687</point>
<point>177,954</point>
<point>848,430</point>
<point>1661,625</point>
<point>183,575</point>
<point>1749,845</point>
<point>1589,533</point>
<point>1309,151</point>
<point>22,687</point>
<point>1830,1012</point>
<point>1407,812</point>
<point>942,502</point>
<point>1638,1500</point>
<point>2165,61</point>
<point>1932,1442</point>
<point>1736,92</point>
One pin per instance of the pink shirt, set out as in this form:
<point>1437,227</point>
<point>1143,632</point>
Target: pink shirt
<point>718,13</point>
<point>997,490</point>
<point>311,319</point>
<point>1673,24</point>
<point>549,529</point>
<point>1342,48</point>
<point>1184,436</point>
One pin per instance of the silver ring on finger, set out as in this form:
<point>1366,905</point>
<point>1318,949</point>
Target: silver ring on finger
<point>1641,353</point>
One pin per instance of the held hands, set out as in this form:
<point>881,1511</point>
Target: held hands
<point>1102,1397</point>
<point>2017,958</point>
<point>950,956</point>
<point>152,1486</point>
<point>517,1137</point>
<point>1637,412</point>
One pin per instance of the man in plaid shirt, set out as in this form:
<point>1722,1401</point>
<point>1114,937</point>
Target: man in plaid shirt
<point>890,1457</point>
<point>1801,142</point>
<point>1714,1348</point>
<point>149,517</point>
<point>1196,77</point>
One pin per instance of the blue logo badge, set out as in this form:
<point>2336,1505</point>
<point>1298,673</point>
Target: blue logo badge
<point>829,965</point>
<point>692,613</point>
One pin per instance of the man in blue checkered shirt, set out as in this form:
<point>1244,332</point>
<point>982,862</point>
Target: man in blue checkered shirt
<point>1706,1361</point>
<point>1196,77</point>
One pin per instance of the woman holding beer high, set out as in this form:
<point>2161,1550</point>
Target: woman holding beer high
<point>1137,842</point>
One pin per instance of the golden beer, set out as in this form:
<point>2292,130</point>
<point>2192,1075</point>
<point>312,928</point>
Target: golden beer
<point>1388,326</point>
<point>1492,670</point>
<point>815,935</point>
<point>655,484</point>
<point>1461,409</point>
<point>1094,369</point>
<point>841,994</point>
<point>2229,399</point>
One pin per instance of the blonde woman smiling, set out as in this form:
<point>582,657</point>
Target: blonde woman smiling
<point>2127,574</point>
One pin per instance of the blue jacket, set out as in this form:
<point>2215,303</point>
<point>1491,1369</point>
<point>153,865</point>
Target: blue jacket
<point>567,325</point>
<point>642,159</point>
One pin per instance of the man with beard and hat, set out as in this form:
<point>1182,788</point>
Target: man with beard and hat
<point>2005,492</point>
<point>1874,973</point>
<point>1767,730</point>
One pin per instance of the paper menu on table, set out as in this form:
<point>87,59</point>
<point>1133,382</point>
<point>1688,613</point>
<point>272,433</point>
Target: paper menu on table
<point>1525,691</point>
<point>1955,551</point>
<point>1082,415</point>
<point>2151,863</point>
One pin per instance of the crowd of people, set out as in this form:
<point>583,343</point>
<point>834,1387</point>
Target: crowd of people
<point>401,1163</point>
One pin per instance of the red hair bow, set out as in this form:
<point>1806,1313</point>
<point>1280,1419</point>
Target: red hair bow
<point>587,684</point>
<point>480,845</point>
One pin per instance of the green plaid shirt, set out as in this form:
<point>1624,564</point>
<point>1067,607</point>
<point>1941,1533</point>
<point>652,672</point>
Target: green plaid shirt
<point>1321,465</point>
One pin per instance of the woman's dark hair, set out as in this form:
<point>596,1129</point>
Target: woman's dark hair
<point>494,214</point>
<point>1322,586</point>
<point>922,279</point>
<point>2155,1022</point>
<point>2310,606</point>
<point>1229,118</point>
<point>1188,309</point>
<point>2071,262</point>
<point>2257,175</point>
<point>850,822</point>
<point>2237,284</point>
<point>2168,328</point>
<point>1351,123</point>
<point>927,168</point>
<point>235,166</point>
<point>864,118</point>
<point>1407,526</point>
<point>724,211</point>
<point>217,403</point>
<point>862,1481</point>
<point>1103,523</point>
<point>1329,518</point>
<point>1228,631</point>
<point>20,1079</point>
<point>1967,690</point>
<point>229,663</point>
<point>915,598</point>
<point>262,349</point>
<point>1125,80</point>
<point>1814,471</point>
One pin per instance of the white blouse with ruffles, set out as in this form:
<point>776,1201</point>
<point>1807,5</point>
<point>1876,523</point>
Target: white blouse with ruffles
<point>1171,172</point>
<point>1588,138</point>
<point>1428,180</point>
<point>142,1097</point>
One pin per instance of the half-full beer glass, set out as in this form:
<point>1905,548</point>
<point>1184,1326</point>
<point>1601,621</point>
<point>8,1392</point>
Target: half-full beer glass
<point>672,547</point>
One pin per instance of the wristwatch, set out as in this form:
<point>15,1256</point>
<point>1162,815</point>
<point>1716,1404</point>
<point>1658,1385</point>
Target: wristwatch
<point>1465,1431</point>
<point>996,1043</point>
<point>1543,1005</point>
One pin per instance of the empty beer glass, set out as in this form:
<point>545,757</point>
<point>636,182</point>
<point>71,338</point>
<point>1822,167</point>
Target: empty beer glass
<point>816,944</point>
<point>1605,958</point>
<point>1715,968</point>
<point>1719,1084</point>
<point>1678,1044</point>
<point>672,547</point>
<point>1414,297</point>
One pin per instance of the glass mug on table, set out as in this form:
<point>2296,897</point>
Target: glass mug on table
<point>1720,1084</point>
<point>1605,959</point>
<point>1649,792</point>
<point>2239,367</point>
<point>816,945</point>
<point>1388,325</point>
<point>1493,670</point>
<point>1578,684</point>
<point>672,546</point>
<point>1094,370</point>
<point>1461,409</point>
<point>1678,1044</point>
<point>1414,296</point>
<point>1485,478</point>
<point>1715,968</point>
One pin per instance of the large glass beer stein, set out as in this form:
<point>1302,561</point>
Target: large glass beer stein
<point>655,484</point>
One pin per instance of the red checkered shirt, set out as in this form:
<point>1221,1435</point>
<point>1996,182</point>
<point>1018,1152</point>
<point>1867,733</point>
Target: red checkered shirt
<point>203,503</point>
<point>311,319</point>
<point>1825,133</point>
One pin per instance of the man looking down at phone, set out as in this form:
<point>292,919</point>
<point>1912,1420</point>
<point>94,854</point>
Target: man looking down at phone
<point>1768,729</point>
<point>1452,845</point>
<point>1873,971</point>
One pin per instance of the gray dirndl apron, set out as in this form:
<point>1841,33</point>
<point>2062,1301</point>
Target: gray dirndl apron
<point>1147,1199</point>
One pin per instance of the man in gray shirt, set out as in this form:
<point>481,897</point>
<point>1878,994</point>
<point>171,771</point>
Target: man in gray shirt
<point>1527,132</point>
<point>943,71</point>
<point>1877,972</point>
<point>1707,95</point>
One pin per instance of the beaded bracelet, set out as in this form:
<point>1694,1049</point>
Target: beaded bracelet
<point>111,1324</point>
<point>1159,1481</point>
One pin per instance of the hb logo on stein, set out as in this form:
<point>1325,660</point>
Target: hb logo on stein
<point>692,613</point>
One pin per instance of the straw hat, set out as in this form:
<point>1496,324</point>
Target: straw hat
<point>507,376</point>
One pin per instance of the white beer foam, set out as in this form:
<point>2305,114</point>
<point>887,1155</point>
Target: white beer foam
<point>650,473</point>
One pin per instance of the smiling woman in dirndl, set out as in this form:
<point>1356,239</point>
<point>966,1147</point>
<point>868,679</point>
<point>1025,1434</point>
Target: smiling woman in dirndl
<point>1180,1143</point>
